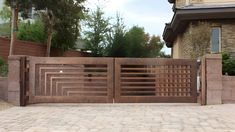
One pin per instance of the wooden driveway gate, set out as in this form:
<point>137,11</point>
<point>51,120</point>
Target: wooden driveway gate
<point>155,80</point>
<point>108,80</point>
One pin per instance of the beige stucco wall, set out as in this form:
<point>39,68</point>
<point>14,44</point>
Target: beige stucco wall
<point>180,3</point>
<point>176,48</point>
<point>227,39</point>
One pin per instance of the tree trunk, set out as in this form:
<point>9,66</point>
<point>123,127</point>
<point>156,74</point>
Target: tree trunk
<point>50,19</point>
<point>13,29</point>
<point>49,38</point>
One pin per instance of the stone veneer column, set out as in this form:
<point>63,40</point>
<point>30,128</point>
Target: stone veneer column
<point>212,79</point>
<point>14,80</point>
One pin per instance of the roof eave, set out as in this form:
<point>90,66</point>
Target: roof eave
<point>171,1</point>
<point>183,16</point>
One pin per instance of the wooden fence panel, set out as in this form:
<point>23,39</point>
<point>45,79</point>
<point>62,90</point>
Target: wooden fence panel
<point>70,80</point>
<point>155,80</point>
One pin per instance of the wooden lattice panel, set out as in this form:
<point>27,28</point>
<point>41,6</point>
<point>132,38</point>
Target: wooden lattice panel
<point>71,80</point>
<point>155,80</point>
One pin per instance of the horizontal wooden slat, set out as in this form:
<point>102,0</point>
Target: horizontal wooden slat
<point>140,87</point>
<point>138,78</point>
<point>75,88</point>
<point>78,78</point>
<point>77,73</point>
<point>144,73</point>
<point>138,83</point>
<point>67,99</point>
<point>86,87</point>
<point>153,69</point>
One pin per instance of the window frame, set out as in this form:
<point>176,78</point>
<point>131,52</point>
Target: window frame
<point>220,40</point>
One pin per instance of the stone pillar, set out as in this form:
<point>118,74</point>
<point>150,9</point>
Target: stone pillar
<point>212,79</point>
<point>14,80</point>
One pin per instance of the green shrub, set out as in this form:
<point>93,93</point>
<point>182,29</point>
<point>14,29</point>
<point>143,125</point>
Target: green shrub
<point>1,61</point>
<point>32,31</point>
<point>228,65</point>
<point>3,68</point>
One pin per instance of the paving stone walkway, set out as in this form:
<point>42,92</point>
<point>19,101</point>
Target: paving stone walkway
<point>118,118</point>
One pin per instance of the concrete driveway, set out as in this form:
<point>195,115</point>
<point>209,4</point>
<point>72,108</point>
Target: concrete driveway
<point>118,118</point>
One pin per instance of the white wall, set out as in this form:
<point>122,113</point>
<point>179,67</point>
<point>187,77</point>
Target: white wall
<point>1,5</point>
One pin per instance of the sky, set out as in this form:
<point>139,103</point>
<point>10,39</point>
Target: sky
<point>1,3</point>
<point>150,14</point>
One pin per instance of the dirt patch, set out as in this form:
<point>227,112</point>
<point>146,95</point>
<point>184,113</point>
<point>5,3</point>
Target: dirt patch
<point>4,105</point>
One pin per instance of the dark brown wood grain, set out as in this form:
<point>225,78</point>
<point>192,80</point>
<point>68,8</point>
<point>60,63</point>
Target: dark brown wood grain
<point>71,80</point>
<point>109,80</point>
<point>148,80</point>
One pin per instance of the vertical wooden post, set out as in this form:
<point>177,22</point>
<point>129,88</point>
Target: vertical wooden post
<point>23,72</point>
<point>203,82</point>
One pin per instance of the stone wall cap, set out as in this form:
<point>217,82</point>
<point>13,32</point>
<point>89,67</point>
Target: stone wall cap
<point>16,57</point>
<point>3,78</point>
<point>228,78</point>
<point>213,56</point>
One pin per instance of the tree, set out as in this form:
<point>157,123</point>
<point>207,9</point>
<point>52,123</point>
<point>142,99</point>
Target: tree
<point>141,44</point>
<point>136,42</point>
<point>154,47</point>
<point>5,27</point>
<point>5,30</point>
<point>61,20</point>
<point>97,32</point>
<point>32,31</point>
<point>197,40</point>
<point>16,7</point>
<point>67,26</point>
<point>5,14</point>
<point>116,47</point>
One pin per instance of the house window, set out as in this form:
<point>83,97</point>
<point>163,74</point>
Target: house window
<point>216,40</point>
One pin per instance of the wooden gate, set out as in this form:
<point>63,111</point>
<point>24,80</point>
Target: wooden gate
<point>108,80</point>
<point>70,80</point>
<point>155,80</point>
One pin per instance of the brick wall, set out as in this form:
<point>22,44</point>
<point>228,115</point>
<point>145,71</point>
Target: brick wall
<point>227,39</point>
<point>33,49</point>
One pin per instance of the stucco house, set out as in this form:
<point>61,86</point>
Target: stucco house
<point>219,13</point>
